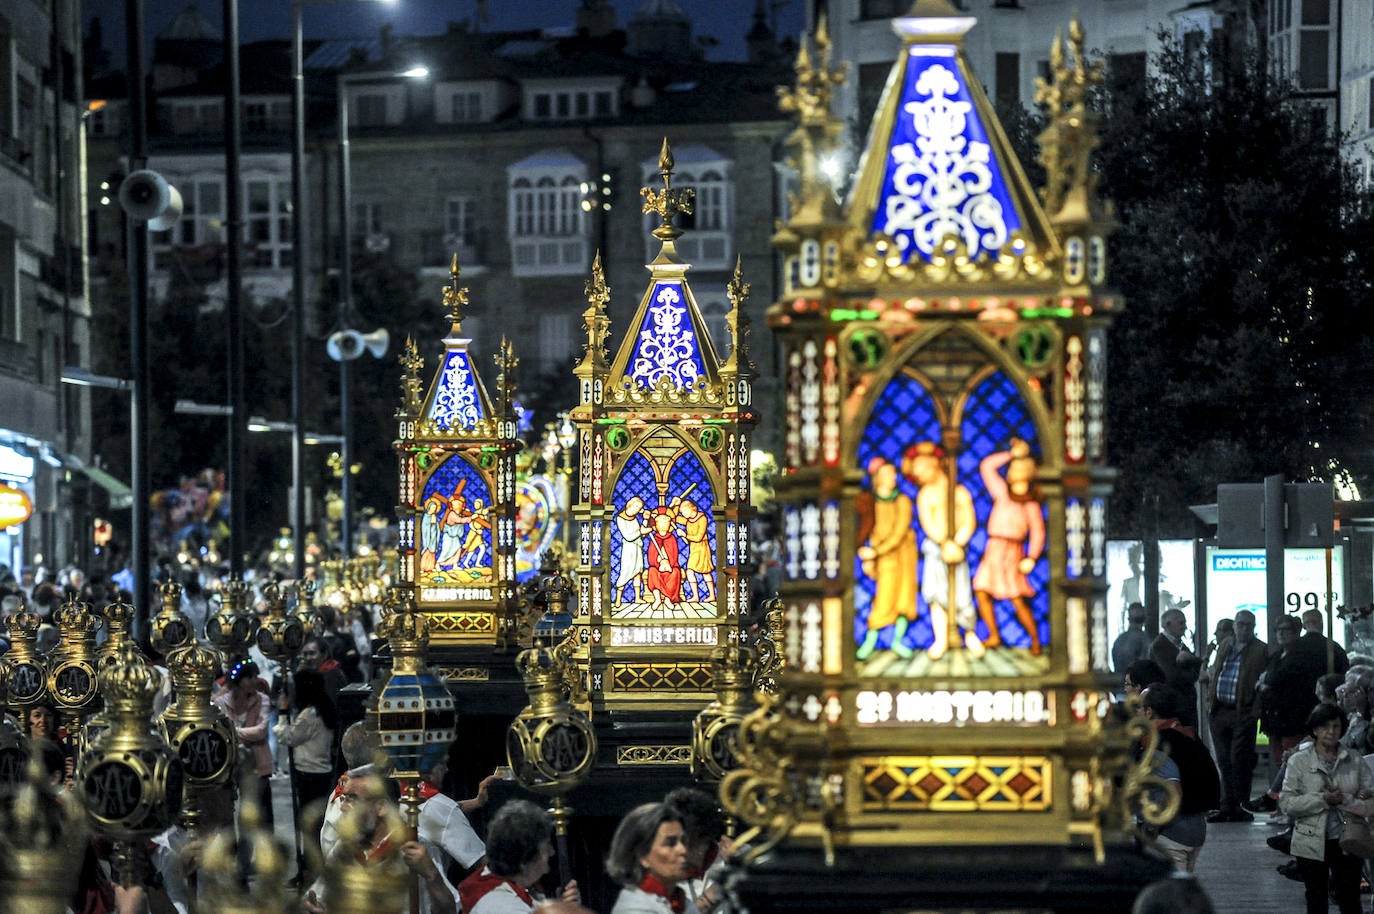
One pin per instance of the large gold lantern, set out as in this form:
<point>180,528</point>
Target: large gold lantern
<point>715,732</point>
<point>234,625</point>
<point>280,635</point>
<point>129,779</point>
<point>72,681</point>
<point>195,729</point>
<point>171,628</point>
<point>25,675</point>
<point>42,839</point>
<point>412,713</point>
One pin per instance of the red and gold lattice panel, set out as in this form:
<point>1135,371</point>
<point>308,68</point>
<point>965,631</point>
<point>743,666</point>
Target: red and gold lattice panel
<point>957,783</point>
<point>660,677</point>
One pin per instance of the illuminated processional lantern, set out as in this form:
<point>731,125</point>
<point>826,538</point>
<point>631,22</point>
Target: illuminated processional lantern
<point>944,495</point>
<point>662,499</point>
<point>456,505</point>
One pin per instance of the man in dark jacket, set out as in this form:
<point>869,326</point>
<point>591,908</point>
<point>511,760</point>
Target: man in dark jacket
<point>1233,697</point>
<point>1332,656</point>
<point>1181,838</point>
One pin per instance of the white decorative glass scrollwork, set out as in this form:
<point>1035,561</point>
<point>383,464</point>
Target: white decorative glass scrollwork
<point>667,343</point>
<point>456,403</point>
<point>943,178</point>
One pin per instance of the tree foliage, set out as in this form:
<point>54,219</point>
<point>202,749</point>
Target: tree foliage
<point>1244,344</point>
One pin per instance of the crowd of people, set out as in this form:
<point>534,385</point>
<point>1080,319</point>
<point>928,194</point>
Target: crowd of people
<point>1313,704</point>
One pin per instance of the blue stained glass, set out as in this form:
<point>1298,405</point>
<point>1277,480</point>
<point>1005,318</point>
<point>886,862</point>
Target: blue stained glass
<point>455,526</point>
<point>457,400</point>
<point>941,176</point>
<point>904,415</point>
<point>687,479</point>
<point>666,345</point>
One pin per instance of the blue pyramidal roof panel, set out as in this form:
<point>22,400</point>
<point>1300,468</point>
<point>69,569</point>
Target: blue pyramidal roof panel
<point>941,177</point>
<point>667,346</point>
<point>457,402</point>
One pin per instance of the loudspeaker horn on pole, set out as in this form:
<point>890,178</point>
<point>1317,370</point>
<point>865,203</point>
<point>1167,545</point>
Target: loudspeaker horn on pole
<point>347,345</point>
<point>146,196</point>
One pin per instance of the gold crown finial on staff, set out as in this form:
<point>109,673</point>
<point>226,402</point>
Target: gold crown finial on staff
<point>670,202</point>
<point>737,321</point>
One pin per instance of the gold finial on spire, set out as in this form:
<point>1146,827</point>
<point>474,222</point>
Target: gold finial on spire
<point>738,322</point>
<point>669,202</point>
<point>455,297</point>
<point>412,396</point>
<point>598,325</point>
<point>1067,143</point>
<point>506,363</point>
<point>816,140</point>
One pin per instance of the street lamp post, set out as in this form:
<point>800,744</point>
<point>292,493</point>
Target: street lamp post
<point>346,306</point>
<point>299,274</point>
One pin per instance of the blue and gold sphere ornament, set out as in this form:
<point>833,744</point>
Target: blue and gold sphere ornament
<point>128,777</point>
<point>413,713</point>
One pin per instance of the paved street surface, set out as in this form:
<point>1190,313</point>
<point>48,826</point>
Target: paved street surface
<point>1236,868</point>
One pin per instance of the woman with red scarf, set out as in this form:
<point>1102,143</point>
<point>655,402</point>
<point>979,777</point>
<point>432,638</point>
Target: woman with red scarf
<point>649,858</point>
<point>519,845</point>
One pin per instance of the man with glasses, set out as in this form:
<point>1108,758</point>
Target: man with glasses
<point>1233,699</point>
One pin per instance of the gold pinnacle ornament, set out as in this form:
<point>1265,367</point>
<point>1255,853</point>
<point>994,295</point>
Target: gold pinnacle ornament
<point>119,621</point>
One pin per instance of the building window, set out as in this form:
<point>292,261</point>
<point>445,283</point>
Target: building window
<point>371,109</point>
<point>458,218</point>
<point>465,107</point>
<point>548,229</point>
<point>872,79</point>
<point>709,237</point>
<point>202,216</point>
<point>255,117</point>
<point>267,223</point>
<point>883,9</point>
<point>1007,82</point>
<point>9,315</point>
<point>714,306</point>
<point>570,104</point>
<point>556,341</point>
<point>1302,42</point>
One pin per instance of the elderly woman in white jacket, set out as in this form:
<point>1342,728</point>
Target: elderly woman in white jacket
<point>1323,781</point>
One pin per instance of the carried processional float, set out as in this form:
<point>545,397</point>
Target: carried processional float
<point>944,496</point>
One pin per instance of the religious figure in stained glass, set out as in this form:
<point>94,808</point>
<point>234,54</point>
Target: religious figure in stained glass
<point>944,510</point>
<point>631,527</point>
<point>663,545</point>
<point>1016,537</point>
<point>888,557</point>
<point>455,529</point>
<point>950,545</point>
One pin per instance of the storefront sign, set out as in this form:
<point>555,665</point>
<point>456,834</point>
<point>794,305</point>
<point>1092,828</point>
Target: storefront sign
<point>15,506</point>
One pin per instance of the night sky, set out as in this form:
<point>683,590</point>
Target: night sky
<point>726,21</point>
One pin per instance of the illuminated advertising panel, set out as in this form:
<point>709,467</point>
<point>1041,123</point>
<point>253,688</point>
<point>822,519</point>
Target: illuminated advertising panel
<point>1235,580</point>
<point>1126,582</point>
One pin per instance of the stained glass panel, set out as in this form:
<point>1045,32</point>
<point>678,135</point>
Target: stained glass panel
<point>455,526</point>
<point>900,570</point>
<point>663,541</point>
